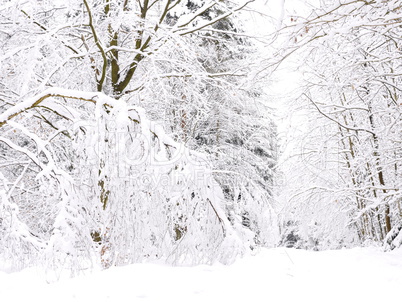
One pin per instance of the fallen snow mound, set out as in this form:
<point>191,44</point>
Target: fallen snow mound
<point>360,274</point>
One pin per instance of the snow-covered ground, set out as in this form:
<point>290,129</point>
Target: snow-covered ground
<point>361,274</point>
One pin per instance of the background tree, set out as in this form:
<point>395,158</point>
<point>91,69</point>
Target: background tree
<point>350,55</point>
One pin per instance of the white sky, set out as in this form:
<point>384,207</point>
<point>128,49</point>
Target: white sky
<point>268,16</point>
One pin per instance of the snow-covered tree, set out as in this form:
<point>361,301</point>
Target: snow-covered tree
<point>351,150</point>
<point>161,199</point>
<point>88,173</point>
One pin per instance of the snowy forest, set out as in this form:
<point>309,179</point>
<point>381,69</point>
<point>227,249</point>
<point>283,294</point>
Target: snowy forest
<point>196,131</point>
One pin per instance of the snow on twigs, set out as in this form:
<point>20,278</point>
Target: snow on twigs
<point>130,192</point>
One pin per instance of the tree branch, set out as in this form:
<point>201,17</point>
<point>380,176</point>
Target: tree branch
<point>53,35</point>
<point>98,44</point>
<point>213,21</point>
<point>334,120</point>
